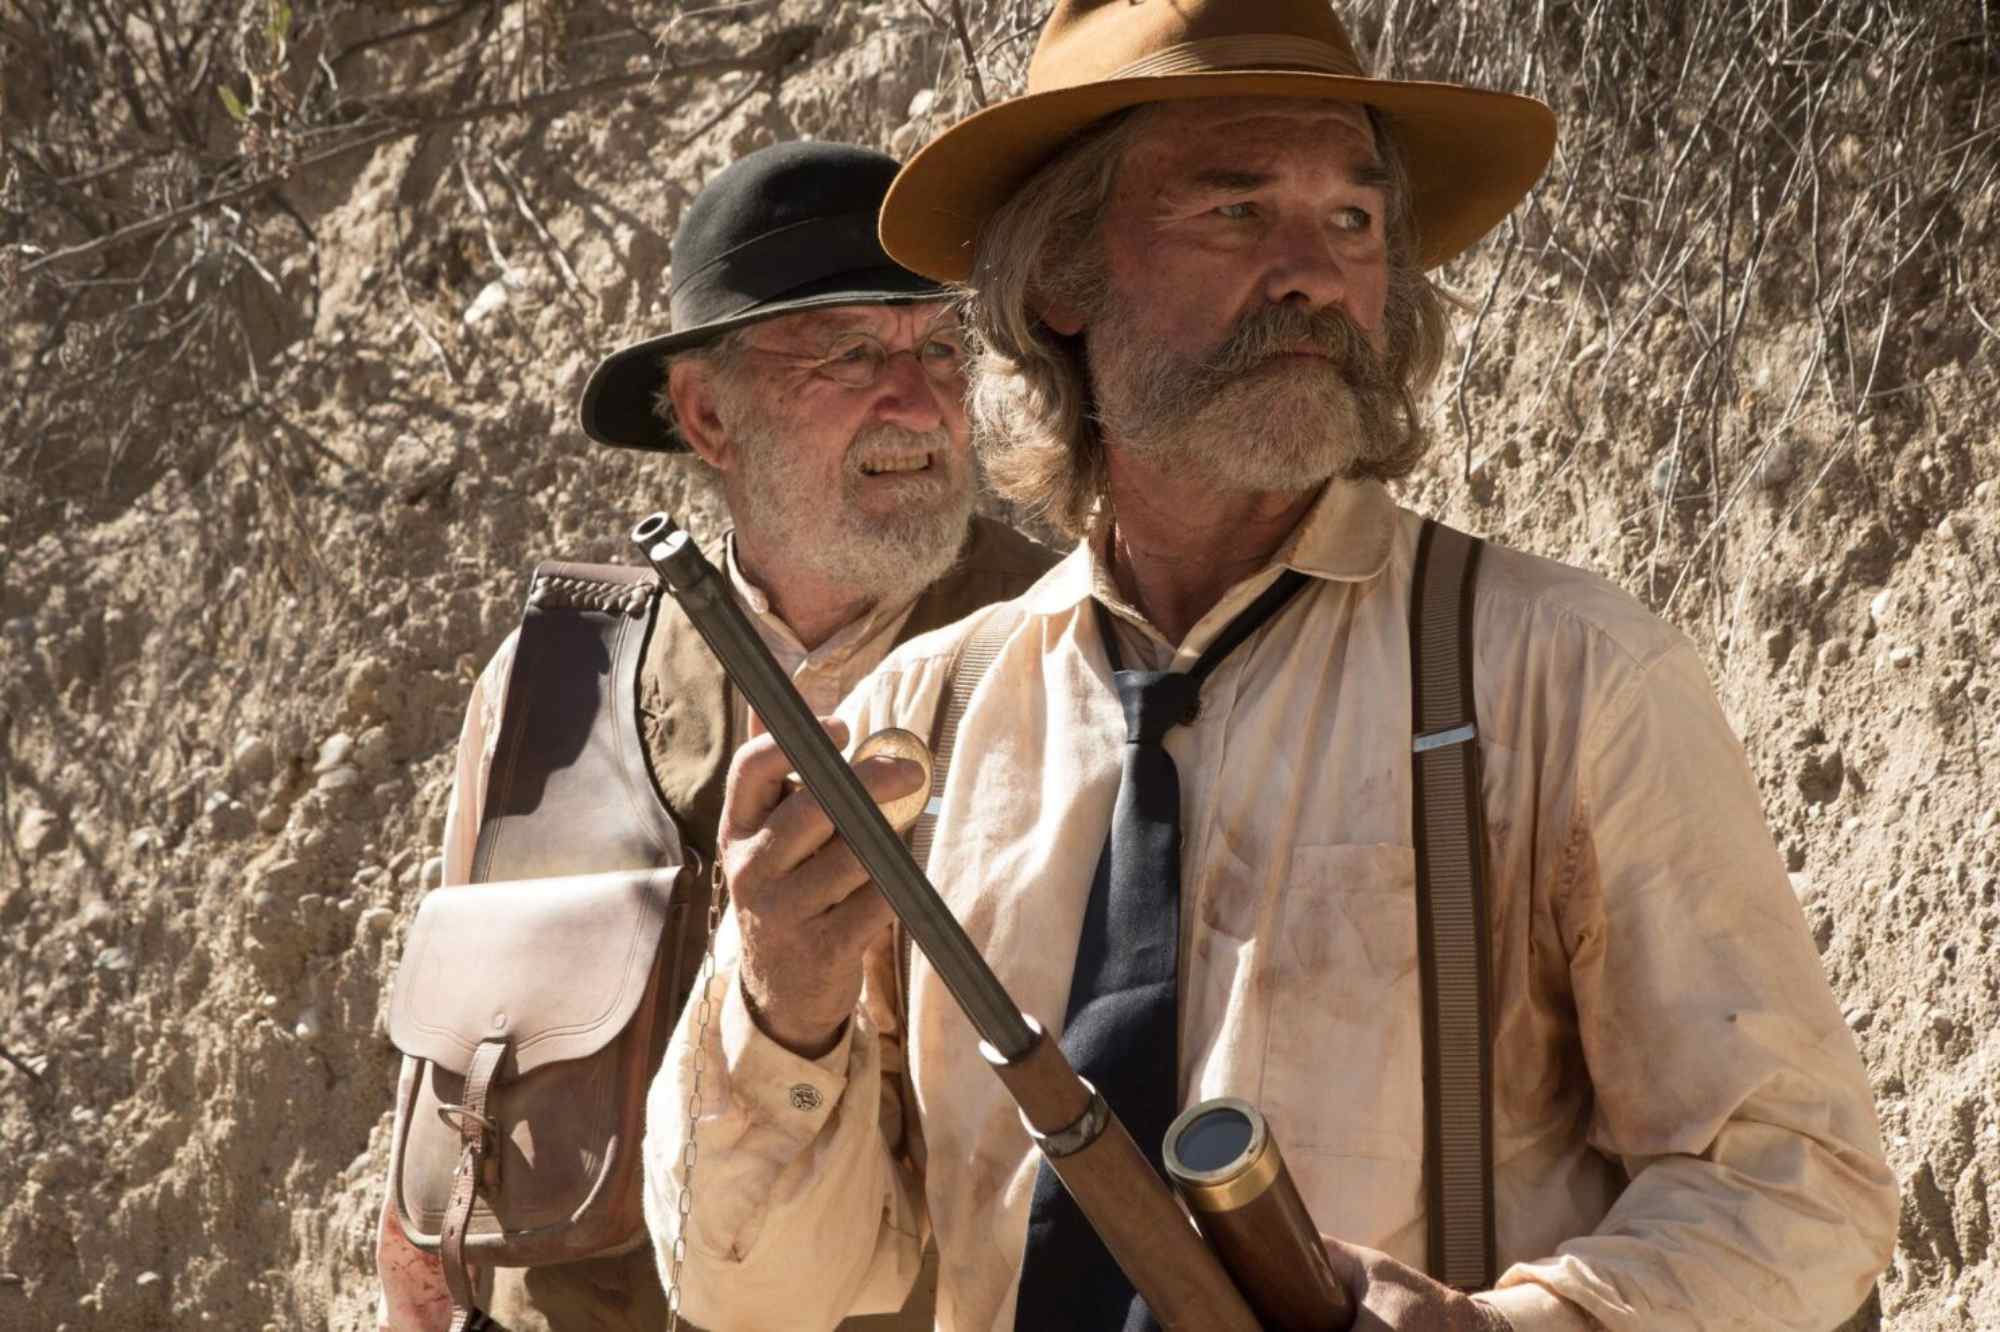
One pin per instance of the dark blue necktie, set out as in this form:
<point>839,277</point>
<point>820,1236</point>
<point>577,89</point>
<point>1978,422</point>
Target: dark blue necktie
<point>1122,1027</point>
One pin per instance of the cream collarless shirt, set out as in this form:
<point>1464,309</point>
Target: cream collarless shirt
<point>1683,1132</point>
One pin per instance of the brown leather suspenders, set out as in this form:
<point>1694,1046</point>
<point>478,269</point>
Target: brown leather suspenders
<point>1450,826</point>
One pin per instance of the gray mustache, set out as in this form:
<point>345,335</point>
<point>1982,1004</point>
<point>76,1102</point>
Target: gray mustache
<point>1280,329</point>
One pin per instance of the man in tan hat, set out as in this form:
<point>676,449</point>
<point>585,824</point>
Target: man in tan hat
<point>824,386</point>
<point>1207,832</point>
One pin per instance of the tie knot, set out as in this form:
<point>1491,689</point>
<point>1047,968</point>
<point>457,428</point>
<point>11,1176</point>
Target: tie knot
<point>1156,702</point>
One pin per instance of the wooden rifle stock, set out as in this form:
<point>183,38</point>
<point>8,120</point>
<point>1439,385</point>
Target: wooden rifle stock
<point>1125,1200</point>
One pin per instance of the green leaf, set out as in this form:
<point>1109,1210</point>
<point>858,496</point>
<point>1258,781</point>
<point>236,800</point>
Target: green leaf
<point>280,25</point>
<point>232,105</point>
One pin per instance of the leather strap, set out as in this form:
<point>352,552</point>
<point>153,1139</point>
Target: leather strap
<point>976,655</point>
<point>478,1163</point>
<point>1450,826</point>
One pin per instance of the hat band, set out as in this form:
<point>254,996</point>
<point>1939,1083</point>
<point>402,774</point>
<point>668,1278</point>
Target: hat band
<point>764,269</point>
<point>1252,51</point>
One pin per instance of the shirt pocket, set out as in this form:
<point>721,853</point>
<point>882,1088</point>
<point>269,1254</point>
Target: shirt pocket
<point>1343,1072</point>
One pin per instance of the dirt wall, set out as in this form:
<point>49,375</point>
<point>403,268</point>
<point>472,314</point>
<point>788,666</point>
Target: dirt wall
<point>1739,353</point>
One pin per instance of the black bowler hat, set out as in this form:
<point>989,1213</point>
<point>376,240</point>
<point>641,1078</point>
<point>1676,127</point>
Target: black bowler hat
<point>788,228</point>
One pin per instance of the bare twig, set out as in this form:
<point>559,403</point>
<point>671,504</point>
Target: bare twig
<point>410,306</point>
<point>955,24</point>
<point>768,57</point>
<point>550,248</point>
<point>24,1066</point>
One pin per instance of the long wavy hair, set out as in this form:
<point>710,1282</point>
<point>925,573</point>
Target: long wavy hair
<point>1029,392</point>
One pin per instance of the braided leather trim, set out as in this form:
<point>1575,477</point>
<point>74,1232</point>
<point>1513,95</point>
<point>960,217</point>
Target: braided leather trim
<point>558,592</point>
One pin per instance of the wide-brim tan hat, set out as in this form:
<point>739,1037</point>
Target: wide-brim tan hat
<point>1472,154</point>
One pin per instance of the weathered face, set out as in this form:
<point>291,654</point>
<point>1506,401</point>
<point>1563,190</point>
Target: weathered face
<point>1247,276</point>
<point>843,442</point>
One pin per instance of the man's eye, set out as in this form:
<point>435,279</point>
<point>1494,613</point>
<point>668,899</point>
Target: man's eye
<point>1236,212</point>
<point>854,353</point>
<point>943,348</point>
<point>1353,219</point>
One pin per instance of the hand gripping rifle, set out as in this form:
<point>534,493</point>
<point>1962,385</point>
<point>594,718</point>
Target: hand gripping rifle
<point>1228,1164</point>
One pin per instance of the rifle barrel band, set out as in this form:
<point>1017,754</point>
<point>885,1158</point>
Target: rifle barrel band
<point>1089,1126</point>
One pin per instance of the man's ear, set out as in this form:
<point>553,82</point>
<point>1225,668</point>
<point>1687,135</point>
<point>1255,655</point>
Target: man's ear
<point>1059,315</point>
<point>697,413</point>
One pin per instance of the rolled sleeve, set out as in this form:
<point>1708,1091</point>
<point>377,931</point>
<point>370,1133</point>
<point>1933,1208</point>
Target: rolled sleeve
<point>1725,1079</point>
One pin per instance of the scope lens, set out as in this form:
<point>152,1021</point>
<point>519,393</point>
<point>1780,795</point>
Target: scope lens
<point>1214,1140</point>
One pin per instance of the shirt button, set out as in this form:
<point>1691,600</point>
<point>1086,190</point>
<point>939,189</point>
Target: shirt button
<point>805,1096</point>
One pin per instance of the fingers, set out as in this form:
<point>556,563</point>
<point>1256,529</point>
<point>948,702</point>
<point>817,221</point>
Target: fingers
<point>767,832</point>
<point>757,780</point>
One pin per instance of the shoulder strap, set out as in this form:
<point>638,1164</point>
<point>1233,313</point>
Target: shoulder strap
<point>975,654</point>
<point>569,791</point>
<point>976,651</point>
<point>1451,911</point>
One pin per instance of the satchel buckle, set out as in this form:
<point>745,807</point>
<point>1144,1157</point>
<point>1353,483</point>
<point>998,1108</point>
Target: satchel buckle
<point>471,1125</point>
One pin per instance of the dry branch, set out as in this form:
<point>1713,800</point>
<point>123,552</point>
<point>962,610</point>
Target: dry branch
<point>769,58</point>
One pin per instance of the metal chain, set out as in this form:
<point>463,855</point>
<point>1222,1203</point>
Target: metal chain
<point>704,1011</point>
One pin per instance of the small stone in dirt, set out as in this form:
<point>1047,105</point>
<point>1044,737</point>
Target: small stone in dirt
<point>371,749</point>
<point>228,817</point>
<point>114,958</point>
<point>1880,608</point>
<point>1778,465</point>
<point>347,906</point>
<point>38,831</point>
<point>433,871</point>
<point>338,778</point>
<point>252,759</point>
<point>307,1028</point>
<point>272,818</point>
<point>1901,657</point>
<point>377,919</point>
<point>492,298</point>
<point>921,104</point>
<point>149,1278</point>
<point>334,752</point>
<point>1834,651</point>
<point>1778,645</point>
<point>1663,475</point>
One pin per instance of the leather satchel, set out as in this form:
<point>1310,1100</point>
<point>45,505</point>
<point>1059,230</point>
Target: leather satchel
<point>533,1004</point>
<point>535,1010</point>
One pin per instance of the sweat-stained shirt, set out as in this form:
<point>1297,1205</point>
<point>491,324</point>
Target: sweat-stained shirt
<point>1683,1132</point>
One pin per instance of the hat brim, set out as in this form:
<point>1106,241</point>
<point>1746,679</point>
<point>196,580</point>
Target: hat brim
<point>1472,155</point>
<point>617,404</point>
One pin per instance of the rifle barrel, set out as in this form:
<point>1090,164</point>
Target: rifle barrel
<point>702,593</point>
<point>1125,1200</point>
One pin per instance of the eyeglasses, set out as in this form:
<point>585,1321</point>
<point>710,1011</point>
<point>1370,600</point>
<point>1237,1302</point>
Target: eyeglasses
<point>859,360</point>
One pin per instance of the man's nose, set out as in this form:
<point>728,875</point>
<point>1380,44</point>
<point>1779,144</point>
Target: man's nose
<point>1303,267</point>
<point>906,396</point>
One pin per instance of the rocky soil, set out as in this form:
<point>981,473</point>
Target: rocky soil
<point>1741,353</point>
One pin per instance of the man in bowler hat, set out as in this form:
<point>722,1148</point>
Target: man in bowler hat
<point>824,384</point>
<point>1198,839</point>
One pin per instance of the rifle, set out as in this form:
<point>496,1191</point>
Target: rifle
<point>1127,1203</point>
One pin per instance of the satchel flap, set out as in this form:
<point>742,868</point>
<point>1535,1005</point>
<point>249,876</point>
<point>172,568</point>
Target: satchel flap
<point>556,967</point>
